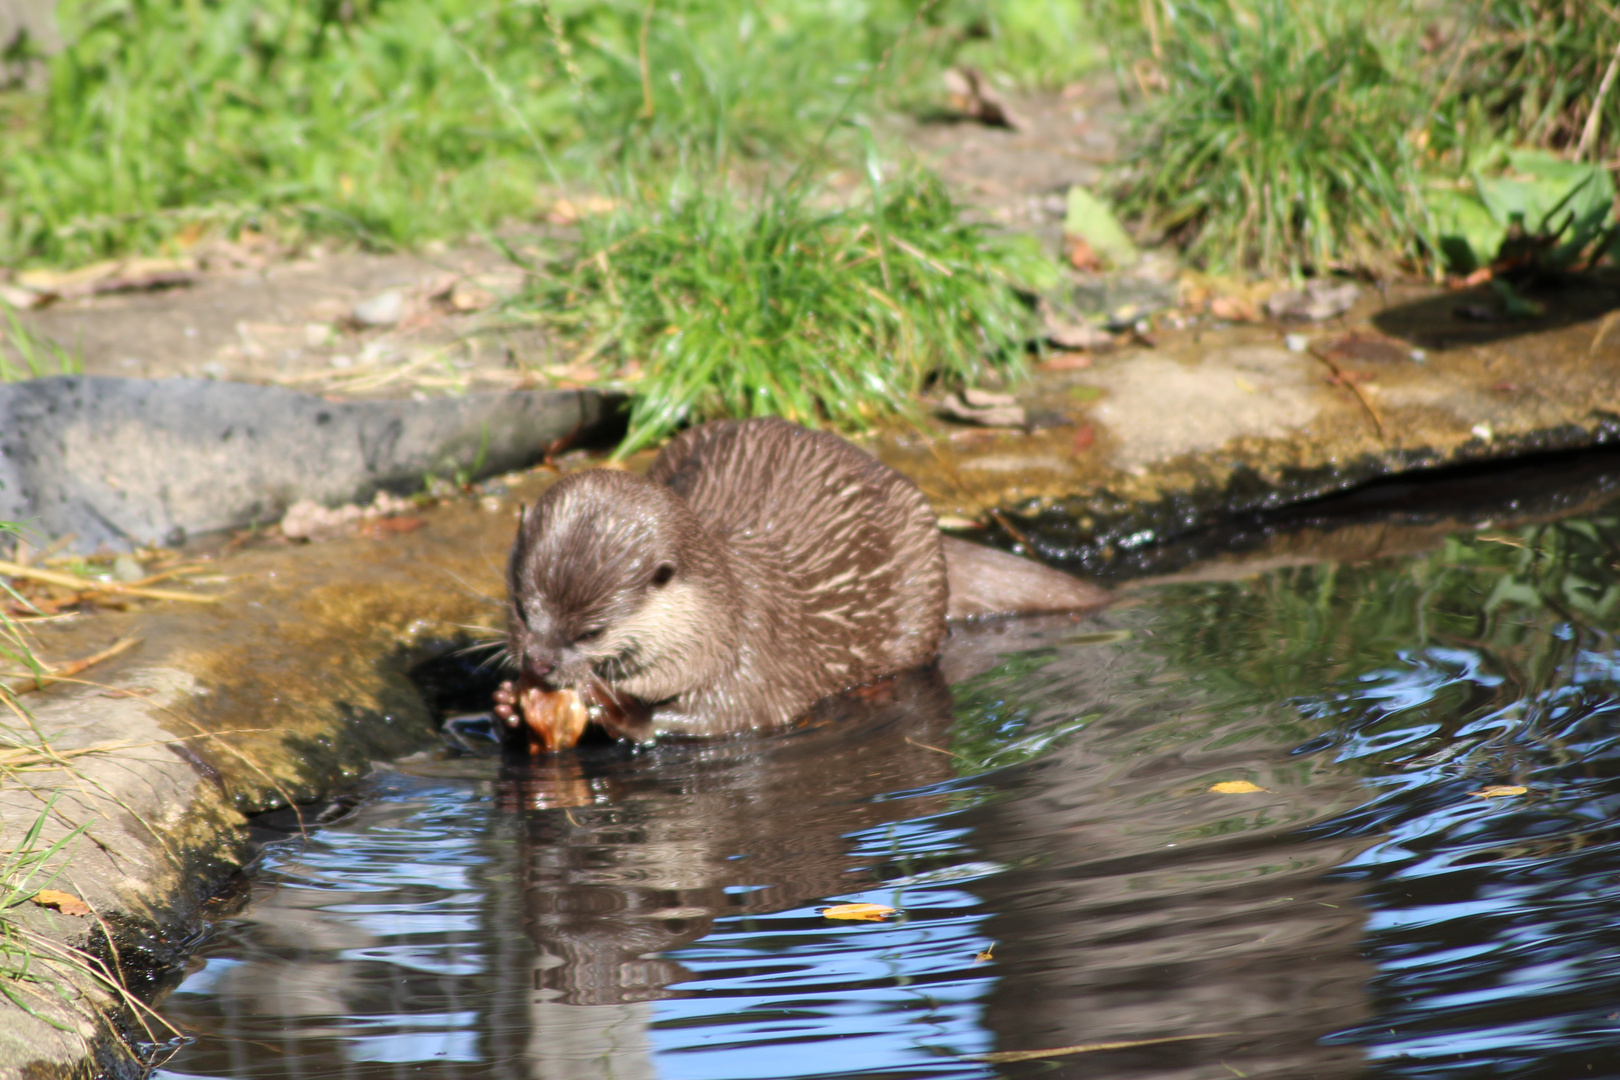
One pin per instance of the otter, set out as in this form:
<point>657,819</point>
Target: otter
<point>757,568</point>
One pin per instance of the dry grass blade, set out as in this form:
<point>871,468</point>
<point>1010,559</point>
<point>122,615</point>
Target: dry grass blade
<point>73,581</point>
<point>1088,1048</point>
<point>23,683</point>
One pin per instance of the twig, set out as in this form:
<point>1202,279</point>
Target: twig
<point>1595,117</point>
<point>1378,421</point>
<point>72,581</point>
<point>73,667</point>
<point>1001,519</point>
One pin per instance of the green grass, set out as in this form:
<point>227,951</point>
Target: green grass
<point>25,355</point>
<point>1527,72</point>
<point>722,305</point>
<point>1279,143</point>
<point>398,120</point>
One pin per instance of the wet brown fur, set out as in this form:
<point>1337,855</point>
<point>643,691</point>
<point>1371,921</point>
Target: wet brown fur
<point>757,568</point>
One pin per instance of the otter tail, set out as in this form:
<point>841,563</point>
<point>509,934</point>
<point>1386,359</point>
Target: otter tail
<point>984,582</point>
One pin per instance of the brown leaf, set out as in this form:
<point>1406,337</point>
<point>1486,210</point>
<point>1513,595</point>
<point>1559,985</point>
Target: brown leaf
<point>65,902</point>
<point>1499,791</point>
<point>1233,309</point>
<point>1080,255</point>
<point>395,525</point>
<point>1065,361</point>
<point>1085,437</point>
<point>1235,787</point>
<point>858,912</point>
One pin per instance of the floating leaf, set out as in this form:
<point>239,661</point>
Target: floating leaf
<point>859,912</point>
<point>984,956</point>
<point>1235,787</point>
<point>1499,791</point>
<point>65,902</point>
<point>1085,1048</point>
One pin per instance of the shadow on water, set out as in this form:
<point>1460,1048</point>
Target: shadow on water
<point>1043,812</point>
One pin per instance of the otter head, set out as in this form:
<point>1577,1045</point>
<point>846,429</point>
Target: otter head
<point>613,580</point>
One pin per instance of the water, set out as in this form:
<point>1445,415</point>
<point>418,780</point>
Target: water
<point>1042,816</point>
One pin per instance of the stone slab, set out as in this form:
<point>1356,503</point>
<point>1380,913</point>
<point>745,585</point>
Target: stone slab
<point>120,462</point>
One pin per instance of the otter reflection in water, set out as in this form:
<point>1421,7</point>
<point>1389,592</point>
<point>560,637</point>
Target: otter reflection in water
<point>755,569</point>
<point>620,856</point>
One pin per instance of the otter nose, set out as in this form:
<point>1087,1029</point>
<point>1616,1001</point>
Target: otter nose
<point>540,668</point>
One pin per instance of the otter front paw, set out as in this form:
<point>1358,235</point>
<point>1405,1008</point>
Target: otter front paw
<point>506,703</point>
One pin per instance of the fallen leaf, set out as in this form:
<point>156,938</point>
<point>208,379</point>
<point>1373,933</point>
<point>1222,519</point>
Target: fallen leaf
<point>569,211</point>
<point>1235,787</point>
<point>1086,1048</point>
<point>1088,218</point>
<point>66,903</point>
<point>1499,791</point>
<point>1085,437</point>
<point>1065,361</point>
<point>1080,255</point>
<point>1233,309</point>
<point>1365,347</point>
<point>984,956</point>
<point>395,525</point>
<point>858,912</point>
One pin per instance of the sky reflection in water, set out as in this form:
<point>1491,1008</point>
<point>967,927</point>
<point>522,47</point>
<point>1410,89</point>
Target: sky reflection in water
<point>657,915</point>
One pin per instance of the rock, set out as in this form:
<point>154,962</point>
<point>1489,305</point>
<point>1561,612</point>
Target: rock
<point>1078,335</point>
<point>1320,299</point>
<point>973,97</point>
<point>384,309</point>
<point>121,462</point>
<point>465,296</point>
<point>20,298</point>
<point>984,408</point>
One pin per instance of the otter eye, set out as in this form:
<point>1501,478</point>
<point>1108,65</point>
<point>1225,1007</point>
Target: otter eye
<point>662,575</point>
<point>588,636</point>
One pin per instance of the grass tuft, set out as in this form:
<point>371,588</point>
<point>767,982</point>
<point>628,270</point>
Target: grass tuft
<point>718,306</point>
<point>24,355</point>
<point>1279,143</point>
<point>1528,72</point>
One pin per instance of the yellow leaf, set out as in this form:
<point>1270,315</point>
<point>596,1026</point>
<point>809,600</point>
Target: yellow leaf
<point>1499,791</point>
<point>66,903</point>
<point>1235,787</point>
<point>984,957</point>
<point>862,912</point>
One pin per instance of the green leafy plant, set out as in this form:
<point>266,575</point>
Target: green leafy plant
<point>722,306</point>
<point>1525,207</point>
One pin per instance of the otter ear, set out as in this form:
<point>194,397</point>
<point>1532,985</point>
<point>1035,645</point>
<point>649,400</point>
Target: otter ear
<point>663,575</point>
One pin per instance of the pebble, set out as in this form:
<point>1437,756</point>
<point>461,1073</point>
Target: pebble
<point>384,309</point>
<point>1297,342</point>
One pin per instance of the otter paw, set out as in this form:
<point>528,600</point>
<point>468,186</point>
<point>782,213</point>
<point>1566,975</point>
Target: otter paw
<point>506,703</point>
